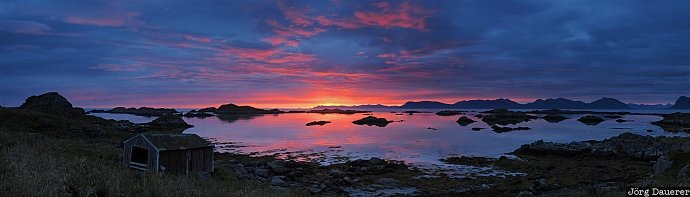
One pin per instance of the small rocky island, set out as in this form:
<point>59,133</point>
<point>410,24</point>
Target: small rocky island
<point>590,120</point>
<point>372,121</point>
<point>464,121</point>
<point>320,123</point>
<point>505,117</point>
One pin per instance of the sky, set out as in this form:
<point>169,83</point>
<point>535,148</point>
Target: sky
<point>285,53</point>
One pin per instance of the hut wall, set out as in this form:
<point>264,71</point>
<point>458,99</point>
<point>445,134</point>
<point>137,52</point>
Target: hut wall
<point>174,161</point>
<point>140,142</point>
<point>187,161</point>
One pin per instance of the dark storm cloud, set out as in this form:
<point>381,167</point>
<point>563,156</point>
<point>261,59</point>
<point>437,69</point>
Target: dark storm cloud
<point>168,52</point>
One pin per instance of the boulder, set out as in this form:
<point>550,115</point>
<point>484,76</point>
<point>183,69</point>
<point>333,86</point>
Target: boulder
<point>278,166</point>
<point>52,103</point>
<point>663,163</point>
<point>277,181</point>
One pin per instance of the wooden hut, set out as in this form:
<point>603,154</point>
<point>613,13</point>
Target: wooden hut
<point>168,153</point>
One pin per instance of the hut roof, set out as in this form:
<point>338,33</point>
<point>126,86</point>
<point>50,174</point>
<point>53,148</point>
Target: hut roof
<point>164,141</point>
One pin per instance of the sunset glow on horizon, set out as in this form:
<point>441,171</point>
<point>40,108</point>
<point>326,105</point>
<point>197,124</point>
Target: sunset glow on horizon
<point>301,54</point>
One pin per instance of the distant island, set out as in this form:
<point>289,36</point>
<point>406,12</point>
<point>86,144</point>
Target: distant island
<point>555,103</point>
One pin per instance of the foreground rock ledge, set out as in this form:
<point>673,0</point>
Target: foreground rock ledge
<point>594,168</point>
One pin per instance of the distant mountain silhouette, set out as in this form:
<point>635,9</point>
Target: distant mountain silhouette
<point>553,103</point>
<point>683,102</point>
<point>426,105</point>
<point>377,106</point>
<point>487,104</point>
<point>608,103</point>
<point>558,103</point>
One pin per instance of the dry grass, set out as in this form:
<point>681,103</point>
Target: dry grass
<point>37,165</point>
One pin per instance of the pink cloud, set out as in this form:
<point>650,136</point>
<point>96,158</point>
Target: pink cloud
<point>197,38</point>
<point>339,23</point>
<point>406,15</point>
<point>116,20</point>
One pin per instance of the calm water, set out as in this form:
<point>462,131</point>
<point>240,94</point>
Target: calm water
<point>287,136</point>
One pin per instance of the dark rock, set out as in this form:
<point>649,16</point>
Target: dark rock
<point>371,120</point>
<point>377,161</point>
<point>320,123</point>
<point>621,121</point>
<point>169,122</point>
<point>477,129</point>
<point>235,109</point>
<point>277,181</point>
<point>683,102</point>
<point>53,103</point>
<point>675,122</point>
<point>278,166</point>
<point>388,182</point>
<point>498,129</point>
<point>239,169</point>
<point>261,172</point>
<point>506,117</point>
<point>554,118</point>
<point>197,114</point>
<point>613,116</point>
<point>591,120</point>
<point>464,121</point>
<point>449,113</point>
<point>663,163</point>
<point>337,173</point>
<point>541,147</point>
<point>208,110</point>
<point>525,194</point>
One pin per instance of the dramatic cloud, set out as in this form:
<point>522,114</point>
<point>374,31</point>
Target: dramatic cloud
<point>296,53</point>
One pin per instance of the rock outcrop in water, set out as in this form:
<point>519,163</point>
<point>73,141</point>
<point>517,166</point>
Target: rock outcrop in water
<point>449,113</point>
<point>554,118</point>
<point>371,120</point>
<point>464,121</point>
<point>498,129</point>
<point>235,109</point>
<point>505,117</point>
<point>590,120</point>
<point>197,114</point>
<point>168,122</point>
<point>52,103</point>
<point>320,123</point>
<point>676,122</point>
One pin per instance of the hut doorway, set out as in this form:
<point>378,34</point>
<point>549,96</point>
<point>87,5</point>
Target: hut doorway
<point>140,156</point>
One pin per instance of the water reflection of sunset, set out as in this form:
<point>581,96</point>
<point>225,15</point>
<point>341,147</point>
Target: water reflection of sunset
<point>409,140</point>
